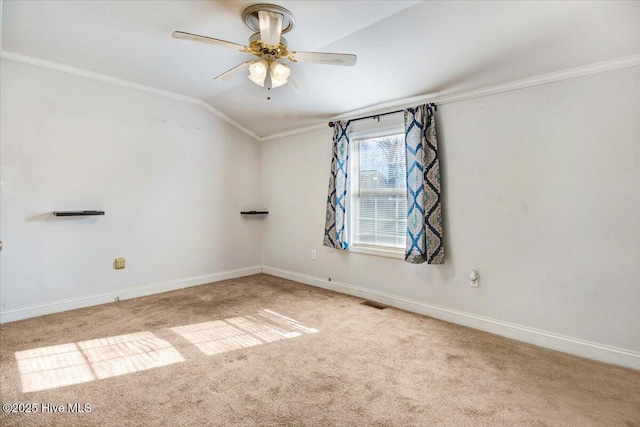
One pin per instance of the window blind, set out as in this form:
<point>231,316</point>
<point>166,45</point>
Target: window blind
<point>379,200</point>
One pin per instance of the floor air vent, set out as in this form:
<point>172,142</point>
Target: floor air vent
<point>374,304</point>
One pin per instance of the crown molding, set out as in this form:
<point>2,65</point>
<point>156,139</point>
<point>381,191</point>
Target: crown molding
<point>440,99</point>
<point>598,67</point>
<point>228,119</point>
<point>296,131</point>
<point>124,83</point>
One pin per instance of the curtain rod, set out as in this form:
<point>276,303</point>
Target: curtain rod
<point>377,116</point>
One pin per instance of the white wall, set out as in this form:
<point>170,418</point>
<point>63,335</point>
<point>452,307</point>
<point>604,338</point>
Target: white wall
<point>542,198</point>
<point>171,176</point>
<point>542,194</point>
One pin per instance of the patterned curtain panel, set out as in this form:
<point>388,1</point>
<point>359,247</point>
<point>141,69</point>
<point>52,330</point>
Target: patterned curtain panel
<point>334,229</point>
<point>424,213</point>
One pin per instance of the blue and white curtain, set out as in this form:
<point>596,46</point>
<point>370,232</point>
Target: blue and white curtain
<point>424,211</point>
<point>335,235</point>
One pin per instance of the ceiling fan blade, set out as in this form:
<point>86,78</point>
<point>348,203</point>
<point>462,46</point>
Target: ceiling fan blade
<point>297,84</point>
<point>324,58</point>
<point>217,42</point>
<point>270,28</point>
<point>232,73</point>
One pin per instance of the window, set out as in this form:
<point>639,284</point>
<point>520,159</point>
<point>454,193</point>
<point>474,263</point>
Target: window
<point>378,195</point>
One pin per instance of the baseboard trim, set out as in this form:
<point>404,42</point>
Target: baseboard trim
<point>138,291</point>
<point>575,346</point>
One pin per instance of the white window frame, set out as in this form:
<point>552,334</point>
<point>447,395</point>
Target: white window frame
<point>352,213</point>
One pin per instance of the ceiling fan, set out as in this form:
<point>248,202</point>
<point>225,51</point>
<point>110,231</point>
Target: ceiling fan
<point>269,22</point>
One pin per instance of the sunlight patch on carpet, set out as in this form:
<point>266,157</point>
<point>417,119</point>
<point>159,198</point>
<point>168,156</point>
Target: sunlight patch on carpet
<point>113,356</point>
<point>52,367</point>
<point>235,333</point>
<point>74,363</point>
<point>67,364</point>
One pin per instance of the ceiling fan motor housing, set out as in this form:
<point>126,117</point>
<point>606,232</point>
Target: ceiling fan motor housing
<point>259,49</point>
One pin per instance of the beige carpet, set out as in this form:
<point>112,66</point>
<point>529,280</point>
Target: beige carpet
<point>266,351</point>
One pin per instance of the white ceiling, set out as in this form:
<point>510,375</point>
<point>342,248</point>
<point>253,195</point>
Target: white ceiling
<point>404,48</point>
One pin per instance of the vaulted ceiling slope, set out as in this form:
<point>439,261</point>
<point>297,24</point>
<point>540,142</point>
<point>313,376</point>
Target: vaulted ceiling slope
<point>404,48</point>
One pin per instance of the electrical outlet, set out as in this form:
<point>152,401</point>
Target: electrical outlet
<point>314,255</point>
<point>474,279</point>
<point>118,264</point>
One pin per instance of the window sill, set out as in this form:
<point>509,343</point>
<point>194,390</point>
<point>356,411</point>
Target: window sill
<point>378,251</point>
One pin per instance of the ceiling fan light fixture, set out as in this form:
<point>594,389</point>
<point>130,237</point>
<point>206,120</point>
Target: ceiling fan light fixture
<point>269,22</point>
<point>279,74</point>
<point>258,72</point>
